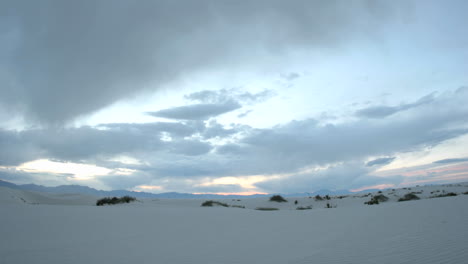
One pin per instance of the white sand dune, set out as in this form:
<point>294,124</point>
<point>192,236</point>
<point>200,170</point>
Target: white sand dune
<point>180,231</point>
<point>12,196</point>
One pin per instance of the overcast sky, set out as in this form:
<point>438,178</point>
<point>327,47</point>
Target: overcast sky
<point>234,96</point>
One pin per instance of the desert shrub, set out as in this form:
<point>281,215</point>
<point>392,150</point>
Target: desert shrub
<point>128,199</point>
<point>327,197</point>
<point>115,200</point>
<point>409,197</point>
<point>372,201</point>
<point>304,207</point>
<point>329,205</point>
<point>238,206</point>
<point>445,195</point>
<point>211,203</point>
<point>380,198</point>
<point>266,209</point>
<point>318,198</point>
<point>277,198</point>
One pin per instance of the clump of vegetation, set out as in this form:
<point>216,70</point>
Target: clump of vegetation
<point>380,198</point>
<point>445,195</point>
<point>327,197</point>
<point>266,209</point>
<point>304,207</point>
<point>329,205</point>
<point>212,203</point>
<point>115,200</point>
<point>277,198</point>
<point>466,193</point>
<point>238,206</point>
<point>318,198</point>
<point>409,197</point>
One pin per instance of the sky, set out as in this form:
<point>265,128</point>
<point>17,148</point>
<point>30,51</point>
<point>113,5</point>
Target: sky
<point>234,96</point>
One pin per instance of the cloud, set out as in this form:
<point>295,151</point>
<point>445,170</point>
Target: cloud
<point>230,95</point>
<point>213,103</point>
<point>80,56</point>
<point>197,111</point>
<point>384,111</point>
<point>290,76</point>
<point>446,161</point>
<point>337,177</point>
<point>244,114</point>
<point>296,144</point>
<point>380,161</point>
<point>195,150</point>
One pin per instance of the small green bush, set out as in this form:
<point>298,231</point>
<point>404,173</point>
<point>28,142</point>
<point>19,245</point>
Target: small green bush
<point>266,209</point>
<point>409,197</point>
<point>278,198</point>
<point>211,203</point>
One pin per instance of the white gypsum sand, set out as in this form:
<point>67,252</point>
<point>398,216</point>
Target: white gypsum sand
<point>44,228</point>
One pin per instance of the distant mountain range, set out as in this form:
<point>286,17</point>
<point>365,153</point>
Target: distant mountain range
<point>173,195</point>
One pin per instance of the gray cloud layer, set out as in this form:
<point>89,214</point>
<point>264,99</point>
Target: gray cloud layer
<point>384,111</point>
<point>189,154</point>
<point>446,161</point>
<point>197,111</point>
<point>63,59</point>
<point>381,161</point>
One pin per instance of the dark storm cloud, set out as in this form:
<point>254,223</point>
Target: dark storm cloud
<point>381,161</point>
<point>197,111</point>
<point>63,59</point>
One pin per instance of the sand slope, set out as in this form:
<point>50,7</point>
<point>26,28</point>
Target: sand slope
<point>180,231</point>
<point>13,196</point>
